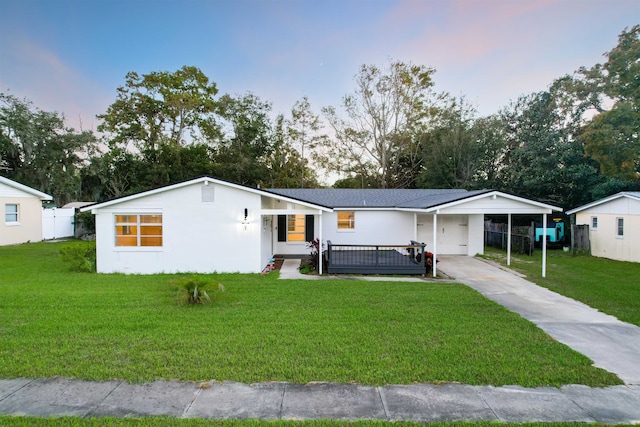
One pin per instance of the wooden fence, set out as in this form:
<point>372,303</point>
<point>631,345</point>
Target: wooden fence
<point>580,237</point>
<point>522,238</point>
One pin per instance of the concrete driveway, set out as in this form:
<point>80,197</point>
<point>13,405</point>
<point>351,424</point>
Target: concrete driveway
<point>611,344</point>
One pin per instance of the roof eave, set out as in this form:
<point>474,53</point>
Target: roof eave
<point>601,201</point>
<point>42,196</point>
<point>206,180</point>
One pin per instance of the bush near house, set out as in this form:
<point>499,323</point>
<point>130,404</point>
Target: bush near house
<point>80,257</point>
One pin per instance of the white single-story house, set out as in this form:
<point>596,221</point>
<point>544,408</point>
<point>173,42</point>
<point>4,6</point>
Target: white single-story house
<point>614,225</point>
<point>22,209</point>
<point>206,225</point>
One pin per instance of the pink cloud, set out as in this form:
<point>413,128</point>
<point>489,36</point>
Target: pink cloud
<point>43,78</point>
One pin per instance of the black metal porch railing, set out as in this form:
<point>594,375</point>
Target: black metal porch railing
<point>375,259</point>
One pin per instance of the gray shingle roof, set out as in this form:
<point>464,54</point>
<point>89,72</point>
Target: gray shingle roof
<point>375,198</point>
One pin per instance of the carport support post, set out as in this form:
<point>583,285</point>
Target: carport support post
<point>544,245</point>
<point>508,239</point>
<point>435,239</point>
<point>320,254</point>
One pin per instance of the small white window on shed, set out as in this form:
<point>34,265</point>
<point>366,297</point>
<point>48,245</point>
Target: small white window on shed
<point>11,213</point>
<point>594,222</point>
<point>208,194</point>
<point>619,227</point>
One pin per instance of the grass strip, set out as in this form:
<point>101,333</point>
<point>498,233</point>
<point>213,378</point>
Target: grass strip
<point>9,421</point>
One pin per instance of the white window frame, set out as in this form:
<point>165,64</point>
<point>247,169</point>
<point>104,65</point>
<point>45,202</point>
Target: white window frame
<point>138,225</point>
<point>16,213</point>
<point>594,223</point>
<point>619,227</point>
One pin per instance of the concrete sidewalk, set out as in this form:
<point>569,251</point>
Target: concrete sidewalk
<point>290,270</point>
<point>53,397</point>
<point>611,344</point>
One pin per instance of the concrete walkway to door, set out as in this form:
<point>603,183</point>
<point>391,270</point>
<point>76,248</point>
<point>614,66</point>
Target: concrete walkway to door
<point>611,344</point>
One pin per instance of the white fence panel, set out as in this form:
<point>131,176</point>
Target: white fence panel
<point>57,223</point>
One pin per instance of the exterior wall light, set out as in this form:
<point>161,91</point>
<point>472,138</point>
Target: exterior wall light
<point>245,221</point>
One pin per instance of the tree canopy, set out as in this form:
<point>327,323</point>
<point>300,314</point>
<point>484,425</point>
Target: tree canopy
<point>572,143</point>
<point>385,114</point>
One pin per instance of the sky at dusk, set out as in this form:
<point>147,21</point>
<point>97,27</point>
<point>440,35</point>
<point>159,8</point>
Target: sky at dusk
<point>71,55</point>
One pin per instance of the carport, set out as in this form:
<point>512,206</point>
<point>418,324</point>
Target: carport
<point>438,225</point>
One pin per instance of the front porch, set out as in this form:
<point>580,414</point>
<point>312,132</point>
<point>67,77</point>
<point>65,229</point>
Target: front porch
<point>375,259</point>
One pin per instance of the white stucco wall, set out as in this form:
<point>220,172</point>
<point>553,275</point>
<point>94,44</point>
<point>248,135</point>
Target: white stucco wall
<point>604,242</point>
<point>476,235</point>
<point>456,234</point>
<point>198,236</point>
<point>371,227</point>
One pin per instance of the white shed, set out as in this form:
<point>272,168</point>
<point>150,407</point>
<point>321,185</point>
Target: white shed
<point>614,225</point>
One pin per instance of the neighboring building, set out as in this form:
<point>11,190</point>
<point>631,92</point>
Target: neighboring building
<point>206,225</point>
<point>614,226</point>
<point>21,207</point>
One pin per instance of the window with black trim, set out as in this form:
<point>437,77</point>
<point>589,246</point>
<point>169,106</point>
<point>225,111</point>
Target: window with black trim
<point>594,222</point>
<point>295,228</point>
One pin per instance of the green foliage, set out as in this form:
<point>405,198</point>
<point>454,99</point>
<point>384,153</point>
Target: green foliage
<point>451,153</point>
<point>543,159</point>
<point>161,107</point>
<point>383,116</point>
<point>612,139</point>
<point>80,257</point>
<point>303,131</point>
<point>196,289</point>
<point>612,91</point>
<point>36,149</point>
<point>85,221</point>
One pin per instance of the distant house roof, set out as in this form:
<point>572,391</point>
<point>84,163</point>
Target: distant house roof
<point>26,189</point>
<point>628,194</point>
<point>338,198</point>
<point>77,205</point>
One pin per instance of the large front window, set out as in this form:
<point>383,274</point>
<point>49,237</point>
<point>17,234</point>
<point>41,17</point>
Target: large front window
<point>139,230</point>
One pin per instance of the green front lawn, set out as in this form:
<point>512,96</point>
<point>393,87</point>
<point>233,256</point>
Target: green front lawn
<point>100,327</point>
<point>612,287</point>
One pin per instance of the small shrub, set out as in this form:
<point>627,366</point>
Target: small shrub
<point>85,223</point>
<point>314,245</point>
<point>196,290</point>
<point>80,257</point>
